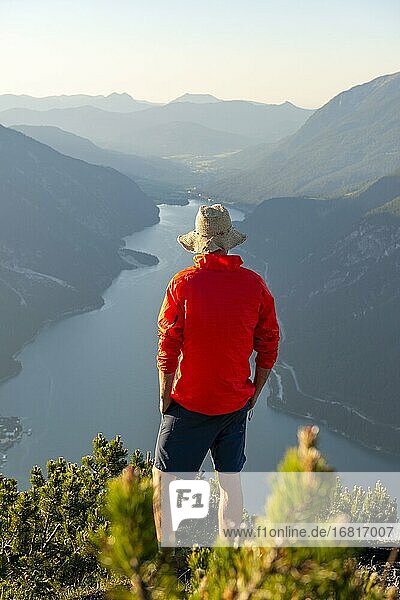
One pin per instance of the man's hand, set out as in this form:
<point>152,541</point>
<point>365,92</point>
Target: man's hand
<point>166,381</point>
<point>260,379</point>
<point>164,404</point>
<point>253,400</point>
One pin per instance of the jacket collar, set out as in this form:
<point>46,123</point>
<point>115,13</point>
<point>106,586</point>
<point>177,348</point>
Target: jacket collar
<point>218,262</point>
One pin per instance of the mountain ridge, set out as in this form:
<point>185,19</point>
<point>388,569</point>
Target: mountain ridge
<point>139,132</point>
<point>196,98</point>
<point>119,102</point>
<point>62,228</point>
<point>333,268</point>
<point>148,172</point>
<point>352,138</point>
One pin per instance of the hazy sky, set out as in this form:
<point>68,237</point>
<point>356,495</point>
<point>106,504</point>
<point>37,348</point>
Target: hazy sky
<point>266,50</point>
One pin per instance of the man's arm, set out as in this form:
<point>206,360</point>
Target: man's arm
<point>260,379</point>
<point>266,340</point>
<point>170,339</point>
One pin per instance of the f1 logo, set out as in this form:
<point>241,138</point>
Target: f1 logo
<point>189,499</point>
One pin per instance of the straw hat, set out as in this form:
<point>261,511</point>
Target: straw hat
<point>213,231</point>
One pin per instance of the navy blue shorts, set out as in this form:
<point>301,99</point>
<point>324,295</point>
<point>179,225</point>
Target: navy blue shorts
<point>186,436</point>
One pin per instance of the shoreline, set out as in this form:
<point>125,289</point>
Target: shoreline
<point>280,405</point>
<point>73,312</point>
<point>283,389</point>
<point>329,426</point>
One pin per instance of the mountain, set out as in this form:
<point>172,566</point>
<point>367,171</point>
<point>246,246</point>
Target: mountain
<point>260,122</point>
<point>353,138</point>
<point>163,179</point>
<point>180,128</point>
<point>125,133</point>
<point>179,138</point>
<point>333,266</point>
<point>61,229</point>
<point>113,102</point>
<point>196,99</point>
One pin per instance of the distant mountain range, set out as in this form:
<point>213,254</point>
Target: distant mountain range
<point>209,98</point>
<point>61,229</point>
<point>162,179</point>
<point>176,129</point>
<point>334,268</point>
<point>196,99</point>
<point>352,139</point>
<point>113,102</point>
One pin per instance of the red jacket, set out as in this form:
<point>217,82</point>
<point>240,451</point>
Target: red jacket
<point>213,316</point>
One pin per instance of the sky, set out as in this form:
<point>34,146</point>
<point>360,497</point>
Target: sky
<point>272,51</point>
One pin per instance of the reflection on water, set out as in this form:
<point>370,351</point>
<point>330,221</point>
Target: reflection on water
<point>97,372</point>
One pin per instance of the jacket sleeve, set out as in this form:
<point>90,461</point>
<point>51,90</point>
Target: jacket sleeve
<point>170,325</point>
<point>266,333</point>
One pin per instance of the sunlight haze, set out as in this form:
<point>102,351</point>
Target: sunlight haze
<point>267,51</point>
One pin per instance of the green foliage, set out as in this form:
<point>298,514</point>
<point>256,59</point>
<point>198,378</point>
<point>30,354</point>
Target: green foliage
<point>231,573</point>
<point>284,573</point>
<point>51,535</point>
<point>278,574</point>
<point>46,531</point>
<point>305,489</point>
<point>129,546</point>
<point>374,505</point>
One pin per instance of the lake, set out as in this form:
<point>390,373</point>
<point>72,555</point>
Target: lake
<point>96,372</point>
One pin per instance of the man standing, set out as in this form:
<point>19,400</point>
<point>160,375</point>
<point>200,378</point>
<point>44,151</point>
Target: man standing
<point>214,314</point>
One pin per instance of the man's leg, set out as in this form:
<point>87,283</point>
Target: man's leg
<point>228,454</point>
<point>230,508</point>
<point>182,444</point>
<point>162,514</point>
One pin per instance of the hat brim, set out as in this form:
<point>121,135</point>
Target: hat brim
<point>192,242</point>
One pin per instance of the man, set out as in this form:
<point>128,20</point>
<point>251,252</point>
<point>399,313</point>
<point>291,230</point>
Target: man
<point>214,314</point>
